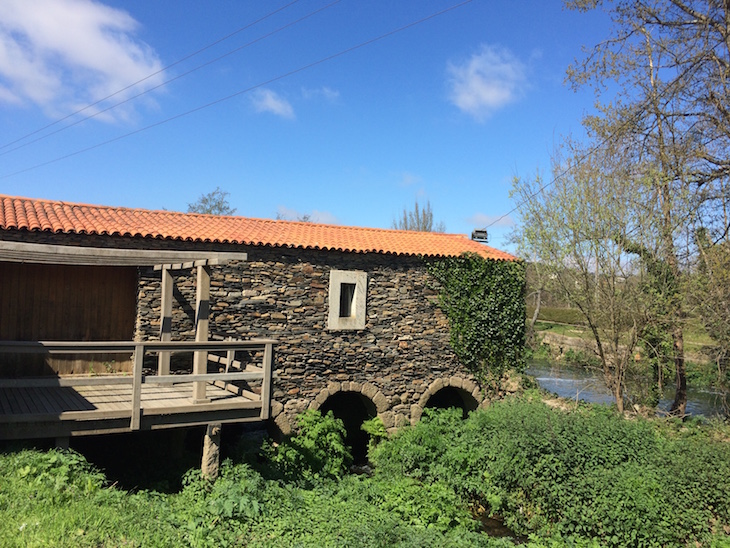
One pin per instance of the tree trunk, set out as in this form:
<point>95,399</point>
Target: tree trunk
<point>531,327</point>
<point>679,406</point>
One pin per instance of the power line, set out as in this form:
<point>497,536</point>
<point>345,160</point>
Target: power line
<point>635,117</point>
<point>168,67</point>
<point>243,91</point>
<point>194,69</point>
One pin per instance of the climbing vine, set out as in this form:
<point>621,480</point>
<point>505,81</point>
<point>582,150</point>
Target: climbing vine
<point>484,302</point>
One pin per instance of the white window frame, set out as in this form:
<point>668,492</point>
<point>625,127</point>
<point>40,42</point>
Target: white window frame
<point>357,319</point>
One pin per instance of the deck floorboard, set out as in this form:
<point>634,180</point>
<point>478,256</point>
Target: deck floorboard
<point>99,402</point>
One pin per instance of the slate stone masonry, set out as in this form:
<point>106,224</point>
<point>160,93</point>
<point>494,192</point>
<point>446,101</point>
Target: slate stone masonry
<point>283,293</point>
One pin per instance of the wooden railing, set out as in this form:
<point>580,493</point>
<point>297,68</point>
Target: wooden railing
<point>138,351</point>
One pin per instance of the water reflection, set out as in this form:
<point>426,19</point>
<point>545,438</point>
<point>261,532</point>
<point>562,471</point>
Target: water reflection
<point>587,385</point>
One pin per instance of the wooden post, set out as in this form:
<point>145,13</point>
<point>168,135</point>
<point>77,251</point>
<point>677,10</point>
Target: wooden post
<point>163,361</point>
<point>211,451</point>
<point>61,442</point>
<point>202,311</point>
<point>268,367</point>
<point>137,387</point>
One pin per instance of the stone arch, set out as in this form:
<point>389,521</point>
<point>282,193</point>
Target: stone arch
<point>353,403</point>
<point>465,393</point>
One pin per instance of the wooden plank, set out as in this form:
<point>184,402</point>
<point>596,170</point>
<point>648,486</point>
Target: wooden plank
<point>75,401</point>
<point>49,382</point>
<point>163,359</point>
<point>268,365</point>
<point>23,406</point>
<point>204,407</point>
<point>208,377</point>
<point>14,403</point>
<point>44,403</point>
<point>24,252</point>
<point>202,313</point>
<point>137,387</point>
<point>123,347</point>
<point>237,390</point>
<point>67,416</point>
<point>5,408</point>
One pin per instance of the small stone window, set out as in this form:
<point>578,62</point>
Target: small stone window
<point>347,299</point>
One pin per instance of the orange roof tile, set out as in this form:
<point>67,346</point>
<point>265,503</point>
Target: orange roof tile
<point>67,218</point>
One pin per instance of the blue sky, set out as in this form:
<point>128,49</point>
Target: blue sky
<point>447,110</point>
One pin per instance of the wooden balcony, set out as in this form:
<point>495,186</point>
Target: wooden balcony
<point>75,405</point>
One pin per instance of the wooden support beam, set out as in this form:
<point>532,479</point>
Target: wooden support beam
<point>163,360</point>
<point>202,312</point>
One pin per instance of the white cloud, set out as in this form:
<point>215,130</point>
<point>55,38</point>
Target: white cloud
<point>480,220</point>
<point>266,100</point>
<point>490,79</point>
<point>65,54</point>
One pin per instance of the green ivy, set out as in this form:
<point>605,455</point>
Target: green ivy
<point>484,302</point>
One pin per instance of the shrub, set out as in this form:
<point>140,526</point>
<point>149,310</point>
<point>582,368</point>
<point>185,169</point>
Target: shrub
<point>587,474</point>
<point>318,451</point>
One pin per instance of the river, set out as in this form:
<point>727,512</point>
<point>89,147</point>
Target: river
<point>586,384</point>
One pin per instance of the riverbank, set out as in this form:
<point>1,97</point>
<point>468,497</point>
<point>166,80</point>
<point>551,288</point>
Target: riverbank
<point>582,476</point>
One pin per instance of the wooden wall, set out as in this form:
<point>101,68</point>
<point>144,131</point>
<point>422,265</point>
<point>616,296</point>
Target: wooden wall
<point>65,303</point>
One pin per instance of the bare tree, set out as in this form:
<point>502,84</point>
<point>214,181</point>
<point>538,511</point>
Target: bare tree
<point>212,203</point>
<point>670,118</point>
<point>419,220</point>
<point>571,228</point>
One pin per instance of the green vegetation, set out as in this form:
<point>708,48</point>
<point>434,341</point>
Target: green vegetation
<point>587,477</point>
<point>579,476</point>
<point>484,301</point>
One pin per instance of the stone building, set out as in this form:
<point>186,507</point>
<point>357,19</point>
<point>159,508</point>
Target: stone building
<point>353,310</point>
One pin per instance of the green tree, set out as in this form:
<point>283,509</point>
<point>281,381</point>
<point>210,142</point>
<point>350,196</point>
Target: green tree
<point>712,298</point>
<point>420,219</point>
<point>213,203</point>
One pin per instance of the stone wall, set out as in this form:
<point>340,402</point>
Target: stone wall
<point>283,294</point>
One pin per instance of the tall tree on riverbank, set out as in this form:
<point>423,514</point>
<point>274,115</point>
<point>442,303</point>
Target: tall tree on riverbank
<point>670,124</point>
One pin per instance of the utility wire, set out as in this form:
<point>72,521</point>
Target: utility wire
<point>194,69</point>
<point>243,91</point>
<point>635,117</point>
<point>168,67</point>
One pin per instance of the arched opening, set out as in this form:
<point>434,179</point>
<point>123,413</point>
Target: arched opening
<point>453,397</point>
<point>352,408</point>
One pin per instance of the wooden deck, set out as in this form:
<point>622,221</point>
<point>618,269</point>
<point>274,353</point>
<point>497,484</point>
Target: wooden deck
<point>84,405</point>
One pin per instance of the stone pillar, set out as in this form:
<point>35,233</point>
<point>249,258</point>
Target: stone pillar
<point>211,451</point>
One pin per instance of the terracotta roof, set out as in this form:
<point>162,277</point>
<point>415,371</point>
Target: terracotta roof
<point>69,218</point>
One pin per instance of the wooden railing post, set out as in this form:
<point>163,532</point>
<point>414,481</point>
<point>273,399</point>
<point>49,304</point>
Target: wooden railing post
<point>137,387</point>
<point>268,367</point>
<point>163,360</point>
<point>202,312</point>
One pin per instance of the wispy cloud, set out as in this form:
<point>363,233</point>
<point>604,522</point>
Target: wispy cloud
<point>266,100</point>
<point>288,214</point>
<point>487,81</point>
<point>65,54</point>
<point>481,220</point>
<point>410,179</point>
<point>324,92</point>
